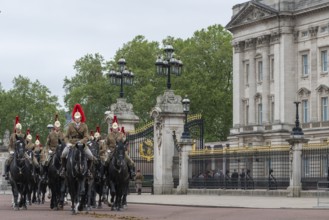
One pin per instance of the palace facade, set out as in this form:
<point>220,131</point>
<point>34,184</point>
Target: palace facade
<point>280,56</point>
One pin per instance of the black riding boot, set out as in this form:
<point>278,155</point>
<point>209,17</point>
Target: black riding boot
<point>132,172</point>
<point>62,172</point>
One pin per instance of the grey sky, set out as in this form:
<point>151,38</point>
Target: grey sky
<point>42,39</point>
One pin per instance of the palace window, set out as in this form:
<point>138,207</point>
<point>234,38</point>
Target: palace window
<point>272,112</point>
<point>247,115</point>
<point>260,71</point>
<point>305,64</point>
<point>247,73</point>
<point>324,108</point>
<point>324,61</point>
<point>260,113</point>
<point>305,111</point>
<point>272,68</point>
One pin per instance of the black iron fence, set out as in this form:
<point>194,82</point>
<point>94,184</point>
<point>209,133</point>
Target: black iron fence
<point>266,167</point>
<point>240,168</point>
<point>315,165</point>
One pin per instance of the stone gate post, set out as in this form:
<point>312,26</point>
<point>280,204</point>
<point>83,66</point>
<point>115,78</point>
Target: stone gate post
<point>125,114</point>
<point>168,117</point>
<point>186,147</point>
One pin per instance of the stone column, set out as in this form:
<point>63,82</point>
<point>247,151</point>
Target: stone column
<point>168,117</point>
<point>124,112</point>
<point>186,147</point>
<point>295,158</point>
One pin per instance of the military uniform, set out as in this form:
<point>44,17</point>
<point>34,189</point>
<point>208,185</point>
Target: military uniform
<point>139,178</point>
<point>31,147</point>
<point>77,131</point>
<point>11,146</point>
<point>110,145</point>
<point>52,143</point>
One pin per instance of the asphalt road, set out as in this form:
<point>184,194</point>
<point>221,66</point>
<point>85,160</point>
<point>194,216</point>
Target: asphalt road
<point>150,212</point>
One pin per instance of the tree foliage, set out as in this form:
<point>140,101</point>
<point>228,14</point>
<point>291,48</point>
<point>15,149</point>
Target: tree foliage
<point>34,105</point>
<point>90,87</point>
<point>207,79</point>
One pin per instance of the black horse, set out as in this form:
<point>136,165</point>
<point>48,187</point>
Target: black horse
<point>55,182</point>
<point>20,174</point>
<point>96,184</point>
<point>76,169</point>
<point>35,180</point>
<point>118,177</point>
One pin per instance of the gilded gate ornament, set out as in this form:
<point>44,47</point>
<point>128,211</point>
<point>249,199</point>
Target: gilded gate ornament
<point>146,149</point>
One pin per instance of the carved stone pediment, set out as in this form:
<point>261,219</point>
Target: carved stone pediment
<point>322,89</point>
<point>252,12</point>
<point>121,106</point>
<point>303,93</point>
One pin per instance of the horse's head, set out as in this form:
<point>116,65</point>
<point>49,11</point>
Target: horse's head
<point>94,147</point>
<point>60,147</point>
<point>120,152</point>
<point>20,146</point>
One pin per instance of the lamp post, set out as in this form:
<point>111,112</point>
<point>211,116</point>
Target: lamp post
<point>121,76</point>
<point>186,109</point>
<point>297,130</point>
<point>168,65</point>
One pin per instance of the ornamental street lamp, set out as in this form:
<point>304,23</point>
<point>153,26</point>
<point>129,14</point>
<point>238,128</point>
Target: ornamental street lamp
<point>168,65</point>
<point>121,76</point>
<point>297,130</point>
<point>186,109</point>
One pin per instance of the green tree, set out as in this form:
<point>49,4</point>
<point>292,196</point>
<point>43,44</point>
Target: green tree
<point>34,105</point>
<point>90,87</point>
<point>140,56</point>
<point>207,78</point>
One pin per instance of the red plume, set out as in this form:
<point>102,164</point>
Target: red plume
<point>115,119</point>
<point>16,121</point>
<point>78,108</point>
<point>28,131</point>
<point>97,129</point>
<point>37,137</point>
<point>123,130</point>
<point>91,133</point>
<point>56,117</point>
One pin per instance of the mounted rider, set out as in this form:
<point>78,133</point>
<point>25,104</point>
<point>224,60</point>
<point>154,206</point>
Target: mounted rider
<point>11,146</point>
<point>30,146</point>
<point>77,132</point>
<point>109,147</point>
<point>52,140</point>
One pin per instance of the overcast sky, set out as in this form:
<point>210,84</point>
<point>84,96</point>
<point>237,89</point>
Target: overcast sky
<point>41,39</point>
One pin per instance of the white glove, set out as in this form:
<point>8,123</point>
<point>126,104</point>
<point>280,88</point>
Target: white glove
<point>50,151</point>
<point>11,152</point>
<point>108,151</point>
<point>69,144</point>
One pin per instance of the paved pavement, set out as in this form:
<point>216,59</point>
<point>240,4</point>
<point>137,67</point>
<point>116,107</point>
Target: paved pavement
<point>228,201</point>
<point>231,201</point>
